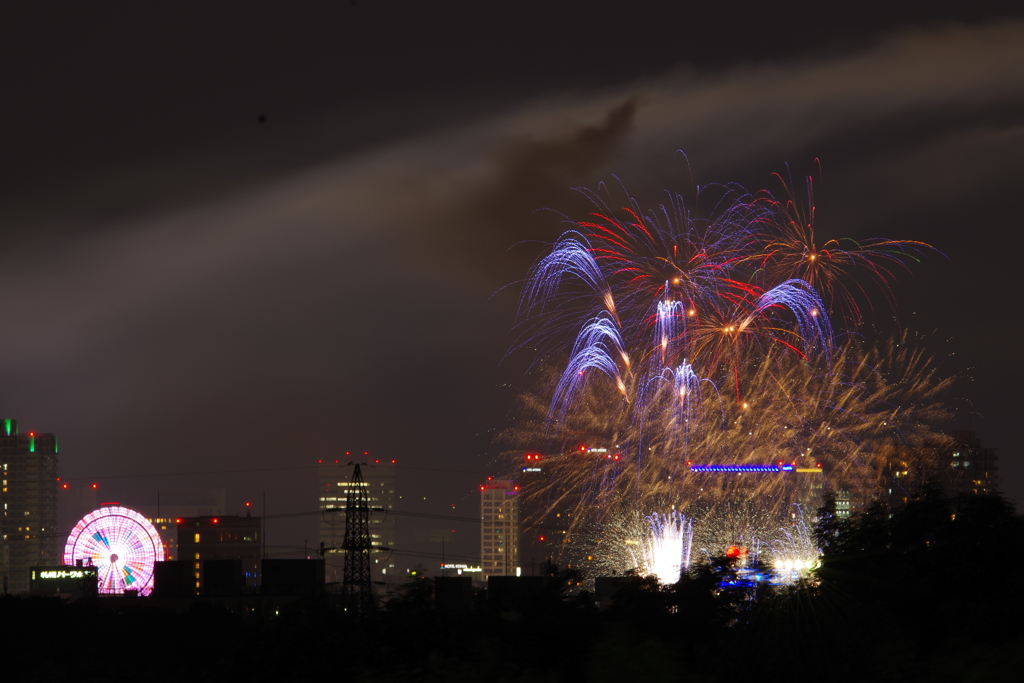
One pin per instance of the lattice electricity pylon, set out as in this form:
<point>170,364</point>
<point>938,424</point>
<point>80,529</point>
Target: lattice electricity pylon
<point>357,586</point>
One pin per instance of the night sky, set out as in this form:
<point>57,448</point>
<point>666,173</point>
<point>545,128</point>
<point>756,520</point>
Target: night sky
<point>238,239</point>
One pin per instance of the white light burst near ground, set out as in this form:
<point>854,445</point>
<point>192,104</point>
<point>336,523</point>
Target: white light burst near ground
<point>666,547</point>
<point>794,551</point>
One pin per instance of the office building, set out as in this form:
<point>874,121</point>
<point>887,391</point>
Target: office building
<point>333,484</point>
<point>29,526</point>
<point>544,513</point>
<point>170,504</point>
<point>806,491</point>
<point>499,528</point>
<point>202,539</point>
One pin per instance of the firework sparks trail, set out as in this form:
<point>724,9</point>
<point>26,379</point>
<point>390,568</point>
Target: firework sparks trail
<point>704,341</point>
<point>789,249</point>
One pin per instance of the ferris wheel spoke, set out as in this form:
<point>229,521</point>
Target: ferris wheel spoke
<point>108,579</point>
<point>132,572</point>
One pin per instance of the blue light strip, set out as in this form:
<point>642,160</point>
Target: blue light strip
<point>741,468</point>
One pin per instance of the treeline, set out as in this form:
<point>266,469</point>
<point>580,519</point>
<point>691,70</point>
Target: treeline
<point>929,592</point>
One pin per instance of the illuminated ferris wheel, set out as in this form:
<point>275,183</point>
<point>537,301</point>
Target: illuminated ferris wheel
<point>121,544</point>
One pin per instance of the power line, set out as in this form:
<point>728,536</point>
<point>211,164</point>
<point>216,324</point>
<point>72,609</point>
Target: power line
<point>420,515</point>
<point>253,469</point>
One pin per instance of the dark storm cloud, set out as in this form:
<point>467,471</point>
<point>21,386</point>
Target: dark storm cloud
<point>348,303</point>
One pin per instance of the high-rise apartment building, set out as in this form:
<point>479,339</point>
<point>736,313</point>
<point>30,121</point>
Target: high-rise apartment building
<point>960,465</point>
<point>972,468</point>
<point>333,484</point>
<point>29,526</point>
<point>499,528</point>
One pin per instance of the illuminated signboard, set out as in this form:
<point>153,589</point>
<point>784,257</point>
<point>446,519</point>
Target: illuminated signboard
<point>68,581</point>
<point>741,468</point>
<point>75,573</point>
<point>461,567</point>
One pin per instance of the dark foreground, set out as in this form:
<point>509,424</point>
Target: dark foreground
<point>932,593</point>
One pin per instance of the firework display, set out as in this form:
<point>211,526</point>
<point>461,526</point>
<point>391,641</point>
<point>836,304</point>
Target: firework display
<point>695,365</point>
<point>121,544</point>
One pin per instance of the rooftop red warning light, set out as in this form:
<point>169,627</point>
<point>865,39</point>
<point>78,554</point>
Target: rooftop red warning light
<point>177,520</point>
<point>31,433</point>
<point>215,520</point>
<point>392,462</point>
<point>95,486</point>
<point>64,485</point>
<point>376,462</point>
<point>320,461</point>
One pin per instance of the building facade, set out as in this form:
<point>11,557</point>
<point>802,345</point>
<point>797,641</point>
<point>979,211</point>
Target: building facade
<point>973,469</point>
<point>172,504</point>
<point>30,523</point>
<point>544,513</point>
<point>499,528</point>
<point>333,486</point>
<point>202,539</point>
<point>960,465</point>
